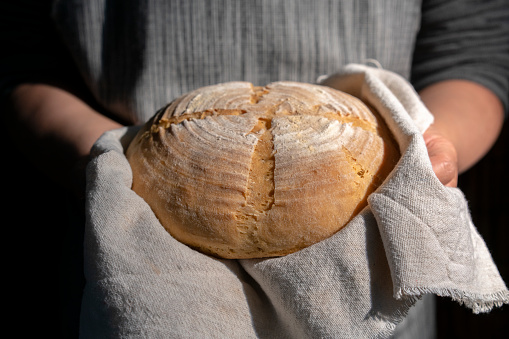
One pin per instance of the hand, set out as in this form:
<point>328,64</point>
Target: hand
<point>443,156</point>
<point>467,121</point>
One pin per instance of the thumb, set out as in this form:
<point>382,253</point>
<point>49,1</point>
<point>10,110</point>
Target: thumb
<point>443,157</point>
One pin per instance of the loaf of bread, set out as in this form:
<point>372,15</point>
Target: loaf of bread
<point>238,171</point>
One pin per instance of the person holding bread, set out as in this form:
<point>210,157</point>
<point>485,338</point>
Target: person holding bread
<point>72,69</point>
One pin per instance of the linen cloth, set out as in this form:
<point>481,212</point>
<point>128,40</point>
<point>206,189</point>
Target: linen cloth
<point>415,237</point>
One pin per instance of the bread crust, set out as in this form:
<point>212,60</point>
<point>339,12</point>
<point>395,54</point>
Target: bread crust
<point>238,171</point>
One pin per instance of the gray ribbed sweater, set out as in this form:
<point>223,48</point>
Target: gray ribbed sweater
<point>136,55</point>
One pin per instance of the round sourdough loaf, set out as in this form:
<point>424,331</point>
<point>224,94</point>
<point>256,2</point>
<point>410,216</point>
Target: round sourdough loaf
<point>238,171</point>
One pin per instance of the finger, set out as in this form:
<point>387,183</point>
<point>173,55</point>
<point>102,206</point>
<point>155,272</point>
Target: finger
<point>445,170</point>
<point>444,161</point>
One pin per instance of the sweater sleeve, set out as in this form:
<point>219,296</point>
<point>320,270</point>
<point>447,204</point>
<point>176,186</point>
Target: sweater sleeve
<point>464,39</point>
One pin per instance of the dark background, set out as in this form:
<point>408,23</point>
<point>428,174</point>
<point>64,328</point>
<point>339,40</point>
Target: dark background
<point>43,298</point>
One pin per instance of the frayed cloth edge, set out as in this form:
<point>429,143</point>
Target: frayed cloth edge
<point>395,319</point>
<point>478,303</point>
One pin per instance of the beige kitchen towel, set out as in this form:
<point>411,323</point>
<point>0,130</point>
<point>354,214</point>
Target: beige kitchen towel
<point>415,237</point>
